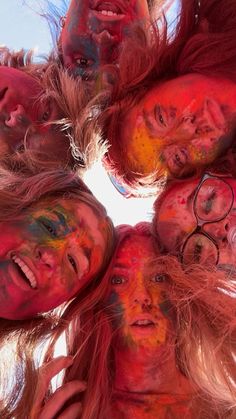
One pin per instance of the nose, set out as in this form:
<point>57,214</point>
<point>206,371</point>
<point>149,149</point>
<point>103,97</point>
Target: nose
<point>102,38</point>
<point>141,295</point>
<point>17,117</point>
<point>46,257</point>
<point>218,229</point>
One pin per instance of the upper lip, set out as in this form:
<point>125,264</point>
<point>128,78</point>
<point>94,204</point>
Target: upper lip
<point>115,6</point>
<point>142,319</point>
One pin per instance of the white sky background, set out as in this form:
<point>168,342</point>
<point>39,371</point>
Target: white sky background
<point>22,27</point>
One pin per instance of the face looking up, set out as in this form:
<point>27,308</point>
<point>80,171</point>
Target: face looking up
<point>93,32</point>
<point>23,116</point>
<point>197,219</point>
<point>179,125</point>
<point>47,254</point>
<point>138,292</point>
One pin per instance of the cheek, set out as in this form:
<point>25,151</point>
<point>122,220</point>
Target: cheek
<point>115,309</point>
<point>143,151</point>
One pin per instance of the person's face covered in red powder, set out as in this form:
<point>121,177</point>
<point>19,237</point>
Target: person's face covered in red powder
<point>47,254</point>
<point>24,119</point>
<point>94,30</point>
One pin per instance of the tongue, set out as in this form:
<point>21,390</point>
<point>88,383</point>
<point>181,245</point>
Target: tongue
<point>108,7</point>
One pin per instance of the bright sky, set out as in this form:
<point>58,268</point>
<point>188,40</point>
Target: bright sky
<point>22,27</point>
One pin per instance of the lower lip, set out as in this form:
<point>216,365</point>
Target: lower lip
<point>143,330</point>
<point>17,279</point>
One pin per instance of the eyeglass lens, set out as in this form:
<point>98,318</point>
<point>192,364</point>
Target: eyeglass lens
<point>213,200</point>
<point>212,203</point>
<point>200,249</point>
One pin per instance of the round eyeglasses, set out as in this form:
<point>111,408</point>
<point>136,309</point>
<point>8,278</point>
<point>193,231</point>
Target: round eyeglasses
<point>212,202</point>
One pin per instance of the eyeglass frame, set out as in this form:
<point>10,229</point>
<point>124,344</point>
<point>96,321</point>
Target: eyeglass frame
<point>200,221</point>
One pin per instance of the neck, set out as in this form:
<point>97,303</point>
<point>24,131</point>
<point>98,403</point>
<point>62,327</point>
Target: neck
<point>148,370</point>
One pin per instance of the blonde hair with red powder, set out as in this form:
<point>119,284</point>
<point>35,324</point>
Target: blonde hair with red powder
<point>204,311</point>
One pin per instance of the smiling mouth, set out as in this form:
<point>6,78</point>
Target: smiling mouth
<point>108,11</point>
<point>24,271</point>
<point>143,323</point>
<point>177,160</point>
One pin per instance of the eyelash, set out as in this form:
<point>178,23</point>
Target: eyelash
<point>117,277</point>
<point>73,263</point>
<point>159,115</point>
<point>49,227</point>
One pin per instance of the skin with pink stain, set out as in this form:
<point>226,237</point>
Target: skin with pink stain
<point>47,254</point>
<point>145,367</point>
<point>94,30</point>
<point>23,116</point>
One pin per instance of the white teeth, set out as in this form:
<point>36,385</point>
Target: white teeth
<point>27,271</point>
<point>143,322</point>
<point>108,13</point>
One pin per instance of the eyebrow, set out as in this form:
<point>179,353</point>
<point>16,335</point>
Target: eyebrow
<point>121,265</point>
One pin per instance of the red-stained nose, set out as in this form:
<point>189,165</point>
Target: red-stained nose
<point>218,230</point>
<point>16,117</point>
<point>46,257</point>
<point>141,295</point>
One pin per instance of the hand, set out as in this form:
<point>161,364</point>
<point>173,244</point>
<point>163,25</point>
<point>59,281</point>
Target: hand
<point>54,404</point>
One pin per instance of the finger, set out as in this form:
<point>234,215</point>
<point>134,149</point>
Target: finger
<point>72,412</point>
<point>52,368</point>
<point>46,373</point>
<point>60,397</point>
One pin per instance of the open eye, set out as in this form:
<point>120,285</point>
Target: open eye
<point>84,62</point>
<point>45,116</point>
<point>117,280</point>
<point>47,111</point>
<point>159,278</point>
<point>20,148</point>
<point>159,115</point>
<point>73,263</point>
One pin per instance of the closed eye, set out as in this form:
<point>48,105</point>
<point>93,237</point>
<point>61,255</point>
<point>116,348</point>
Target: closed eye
<point>73,263</point>
<point>47,225</point>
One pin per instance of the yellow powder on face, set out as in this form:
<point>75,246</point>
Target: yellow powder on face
<point>143,151</point>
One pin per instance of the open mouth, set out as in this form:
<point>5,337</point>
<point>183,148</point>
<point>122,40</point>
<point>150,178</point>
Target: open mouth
<point>24,271</point>
<point>108,10</point>
<point>176,160</point>
<point>143,323</point>
<point>3,92</point>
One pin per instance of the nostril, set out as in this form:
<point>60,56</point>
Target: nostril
<point>16,116</point>
<point>227,226</point>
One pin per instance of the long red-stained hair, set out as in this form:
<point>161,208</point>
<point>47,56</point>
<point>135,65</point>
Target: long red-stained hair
<point>203,303</point>
<point>201,39</point>
<point>19,191</point>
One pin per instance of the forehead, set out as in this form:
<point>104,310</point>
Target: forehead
<point>13,75</point>
<point>180,90</point>
<point>176,198</point>
<point>72,208</point>
<point>135,249</point>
